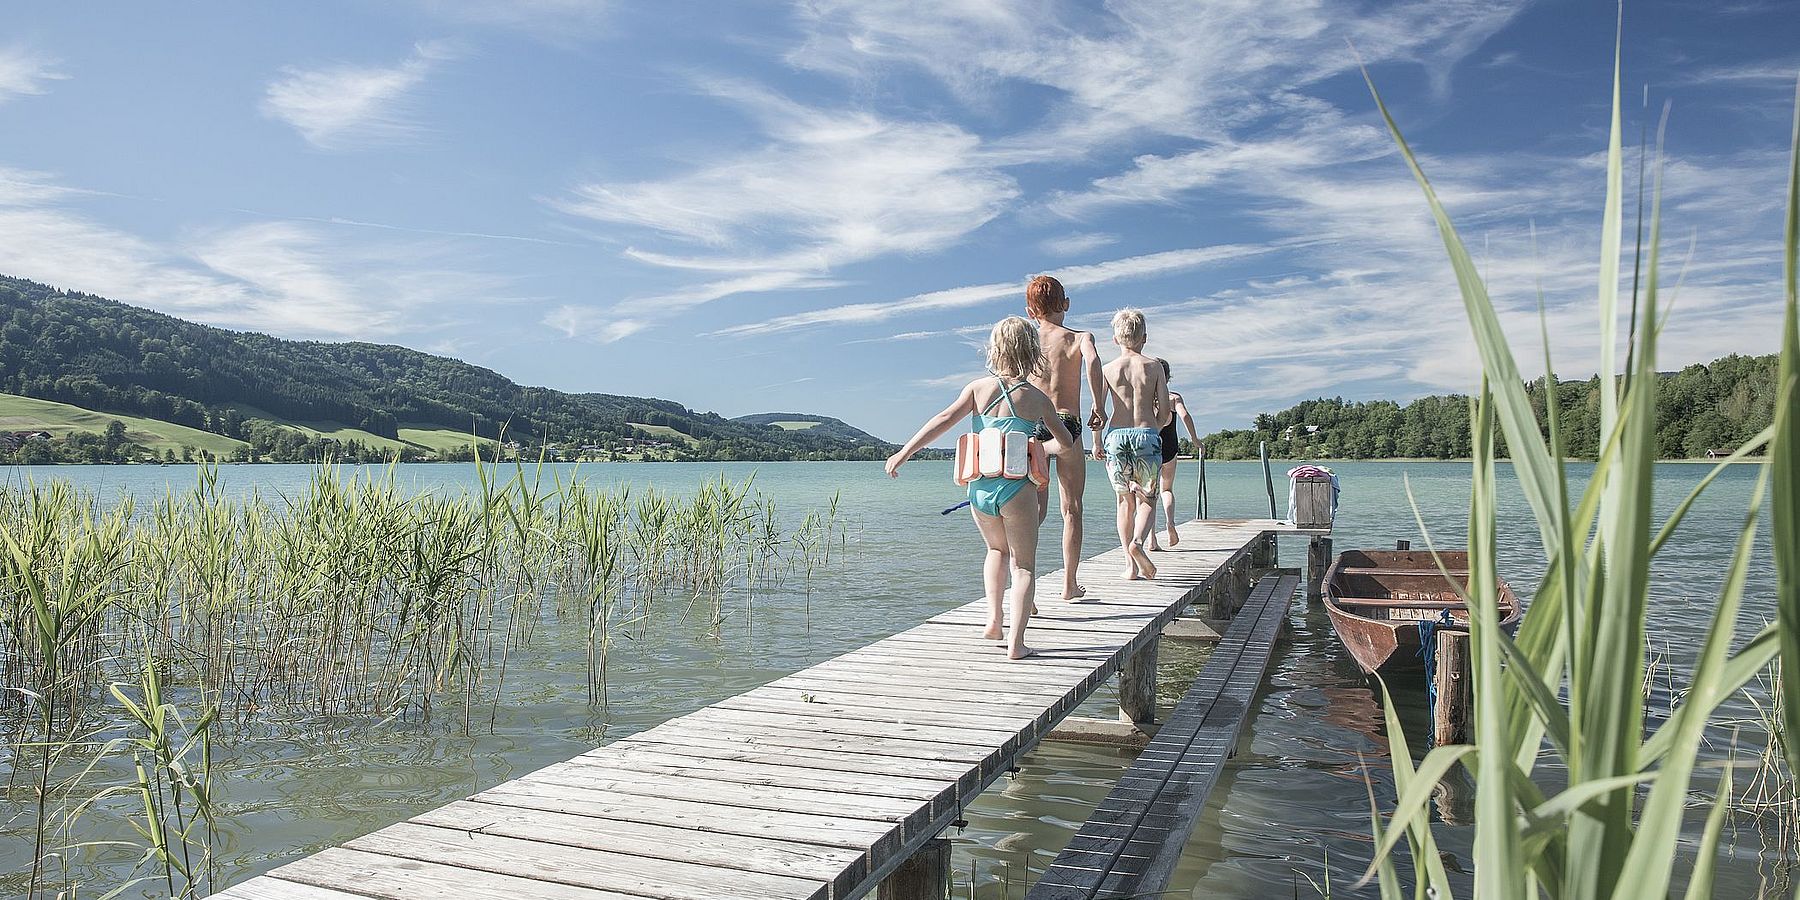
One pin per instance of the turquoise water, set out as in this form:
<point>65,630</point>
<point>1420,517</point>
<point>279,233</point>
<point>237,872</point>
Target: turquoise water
<point>1295,792</point>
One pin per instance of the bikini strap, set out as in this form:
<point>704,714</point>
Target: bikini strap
<point>1004,392</point>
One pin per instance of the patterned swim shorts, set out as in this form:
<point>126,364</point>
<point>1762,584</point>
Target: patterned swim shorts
<point>1133,456</point>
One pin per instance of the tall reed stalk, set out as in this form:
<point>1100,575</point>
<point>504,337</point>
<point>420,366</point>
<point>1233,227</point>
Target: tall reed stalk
<point>1567,693</point>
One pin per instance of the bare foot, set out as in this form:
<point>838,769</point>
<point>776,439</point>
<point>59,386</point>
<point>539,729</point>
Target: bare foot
<point>1131,573</point>
<point>1140,561</point>
<point>1153,547</point>
<point>1020,652</point>
<point>1033,609</point>
<point>993,633</point>
<point>1174,538</point>
<point>1080,592</point>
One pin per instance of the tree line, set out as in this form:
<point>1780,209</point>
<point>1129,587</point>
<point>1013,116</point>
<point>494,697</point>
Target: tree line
<point>1709,407</point>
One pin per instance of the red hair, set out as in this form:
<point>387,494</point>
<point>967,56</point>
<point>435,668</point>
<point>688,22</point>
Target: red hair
<point>1044,296</point>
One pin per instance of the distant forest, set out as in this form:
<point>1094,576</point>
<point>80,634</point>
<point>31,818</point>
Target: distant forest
<point>1716,406</point>
<point>110,357</point>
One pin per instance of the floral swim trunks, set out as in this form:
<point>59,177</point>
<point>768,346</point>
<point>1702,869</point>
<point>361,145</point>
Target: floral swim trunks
<point>1133,456</point>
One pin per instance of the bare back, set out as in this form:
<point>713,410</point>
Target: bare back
<point>1063,366</point>
<point>1139,392</point>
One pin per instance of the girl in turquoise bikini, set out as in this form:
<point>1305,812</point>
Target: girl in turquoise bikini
<point>1005,512</point>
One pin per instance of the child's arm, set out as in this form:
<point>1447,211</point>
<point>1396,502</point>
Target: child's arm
<point>934,428</point>
<point>1090,358</point>
<point>1188,420</point>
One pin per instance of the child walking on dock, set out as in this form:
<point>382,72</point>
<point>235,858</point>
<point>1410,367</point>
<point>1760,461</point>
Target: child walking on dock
<point>1139,391</point>
<point>1005,510</point>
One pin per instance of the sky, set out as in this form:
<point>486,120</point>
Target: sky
<point>822,206</point>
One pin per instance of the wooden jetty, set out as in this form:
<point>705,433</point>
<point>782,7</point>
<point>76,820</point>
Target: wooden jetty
<point>834,781</point>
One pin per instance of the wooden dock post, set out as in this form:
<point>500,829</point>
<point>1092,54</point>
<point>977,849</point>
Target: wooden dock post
<point>1318,559</point>
<point>1452,721</point>
<point>1137,689</point>
<point>924,876</point>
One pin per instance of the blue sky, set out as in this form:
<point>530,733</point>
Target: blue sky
<point>821,206</point>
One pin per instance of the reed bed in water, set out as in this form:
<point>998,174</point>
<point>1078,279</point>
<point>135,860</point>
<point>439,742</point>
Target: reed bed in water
<point>355,597</point>
<point>146,628</point>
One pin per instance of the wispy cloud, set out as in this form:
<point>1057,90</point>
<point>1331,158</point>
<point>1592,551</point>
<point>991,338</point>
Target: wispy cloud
<point>1076,244</point>
<point>1072,277</point>
<point>348,107</point>
<point>25,72</point>
<point>1141,66</point>
<point>828,187</point>
<point>587,323</point>
<point>280,277</point>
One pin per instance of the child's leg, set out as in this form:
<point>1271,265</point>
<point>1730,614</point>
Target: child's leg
<point>1139,509</point>
<point>993,568</point>
<point>1168,502</point>
<point>1021,524</point>
<point>1126,526</point>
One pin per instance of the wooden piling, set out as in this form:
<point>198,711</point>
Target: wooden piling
<point>1137,688</point>
<point>1318,559</point>
<point>924,876</point>
<point>1452,713</point>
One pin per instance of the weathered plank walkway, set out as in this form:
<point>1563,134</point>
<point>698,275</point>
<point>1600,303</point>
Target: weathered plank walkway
<point>1130,845</point>
<point>816,785</point>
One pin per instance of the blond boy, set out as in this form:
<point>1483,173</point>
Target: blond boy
<point>1139,393</point>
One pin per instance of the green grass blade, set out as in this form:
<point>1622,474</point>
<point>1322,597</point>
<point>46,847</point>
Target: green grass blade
<point>1706,855</point>
<point>1784,458</point>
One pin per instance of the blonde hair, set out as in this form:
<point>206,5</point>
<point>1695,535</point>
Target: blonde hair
<point>1128,327</point>
<point>1013,348</point>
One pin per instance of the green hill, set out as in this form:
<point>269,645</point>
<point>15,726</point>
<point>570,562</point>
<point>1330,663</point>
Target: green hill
<point>821,426</point>
<point>61,419</point>
<point>284,398</point>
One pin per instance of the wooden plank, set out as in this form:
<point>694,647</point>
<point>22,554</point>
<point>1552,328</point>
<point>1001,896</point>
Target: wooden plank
<point>708,743</point>
<point>646,760</point>
<point>265,888</point>
<point>645,876</point>
<point>981,738</point>
<point>776,702</point>
<point>804,861</point>
<point>709,818</point>
<point>379,875</point>
<point>596,774</point>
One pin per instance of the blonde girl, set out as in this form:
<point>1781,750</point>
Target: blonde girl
<point>1005,512</point>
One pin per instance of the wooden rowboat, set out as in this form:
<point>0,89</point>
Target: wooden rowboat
<point>1377,600</point>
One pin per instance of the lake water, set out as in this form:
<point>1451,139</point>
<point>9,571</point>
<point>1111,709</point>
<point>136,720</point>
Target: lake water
<point>1294,795</point>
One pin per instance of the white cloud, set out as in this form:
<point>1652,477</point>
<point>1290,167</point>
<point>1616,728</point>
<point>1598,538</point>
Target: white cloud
<point>828,187</point>
<point>23,72</point>
<point>1076,244</point>
<point>347,107</point>
<point>280,277</point>
<point>1072,277</point>
<point>591,324</point>
<point>1141,66</point>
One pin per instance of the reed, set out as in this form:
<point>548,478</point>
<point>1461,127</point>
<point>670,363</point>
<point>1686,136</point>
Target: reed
<point>132,641</point>
<point>1562,703</point>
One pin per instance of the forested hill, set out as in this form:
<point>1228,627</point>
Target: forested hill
<point>109,357</point>
<point>1716,406</point>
